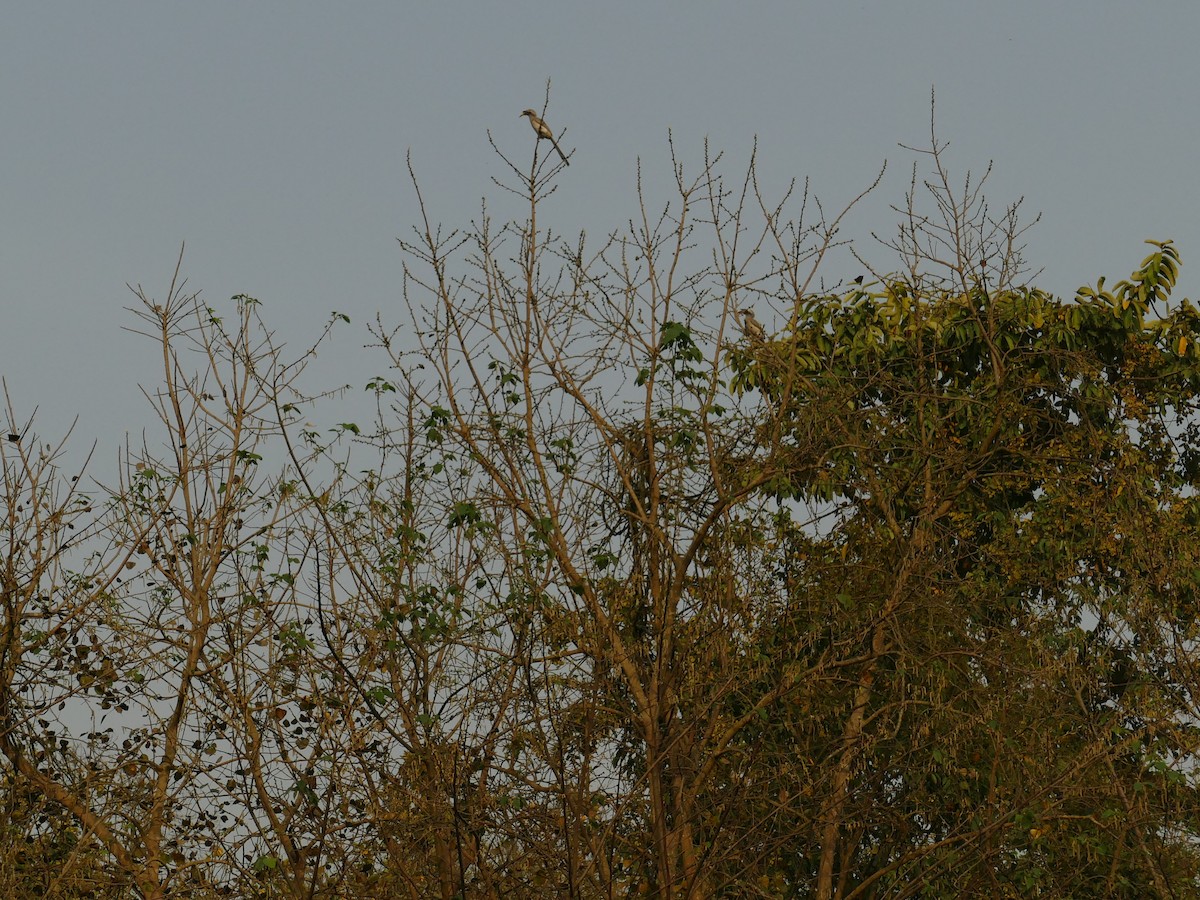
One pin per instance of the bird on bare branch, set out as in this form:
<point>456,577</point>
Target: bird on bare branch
<point>543,131</point>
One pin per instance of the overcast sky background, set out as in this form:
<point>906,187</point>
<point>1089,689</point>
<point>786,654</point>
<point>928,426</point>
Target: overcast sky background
<point>271,137</point>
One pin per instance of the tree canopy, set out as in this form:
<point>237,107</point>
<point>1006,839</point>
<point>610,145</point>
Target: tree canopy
<point>613,598</point>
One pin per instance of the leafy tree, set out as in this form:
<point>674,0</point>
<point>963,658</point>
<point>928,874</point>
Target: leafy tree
<point>1004,583</point>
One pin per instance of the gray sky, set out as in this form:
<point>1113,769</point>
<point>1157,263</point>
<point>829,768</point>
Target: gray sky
<point>271,137</point>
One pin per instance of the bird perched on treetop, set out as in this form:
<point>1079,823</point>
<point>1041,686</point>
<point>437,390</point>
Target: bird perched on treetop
<point>543,131</point>
<point>751,327</point>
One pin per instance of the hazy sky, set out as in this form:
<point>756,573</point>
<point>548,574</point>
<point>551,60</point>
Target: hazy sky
<point>271,137</point>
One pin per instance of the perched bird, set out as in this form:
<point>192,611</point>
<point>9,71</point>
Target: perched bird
<point>751,327</point>
<point>543,131</point>
<point>859,291</point>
